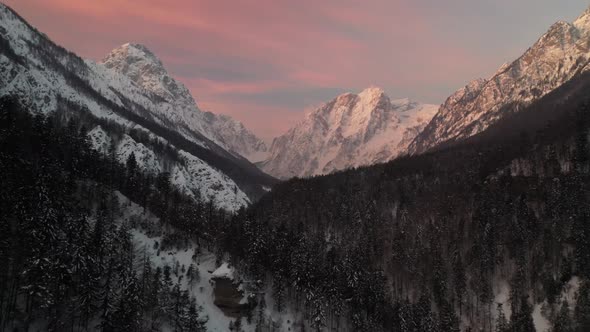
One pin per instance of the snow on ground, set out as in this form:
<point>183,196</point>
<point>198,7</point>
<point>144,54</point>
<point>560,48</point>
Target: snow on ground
<point>204,262</point>
<point>284,321</point>
<point>99,140</point>
<point>198,177</point>
<point>224,271</point>
<point>502,295</point>
<point>202,289</point>
<point>146,158</point>
<point>568,293</point>
<point>195,177</point>
<point>540,319</point>
<point>571,290</point>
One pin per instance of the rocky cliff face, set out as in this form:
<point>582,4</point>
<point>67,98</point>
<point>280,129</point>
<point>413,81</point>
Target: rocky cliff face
<point>145,69</point>
<point>555,58</point>
<point>349,131</point>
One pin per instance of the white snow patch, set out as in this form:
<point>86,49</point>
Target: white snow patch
<point>224,271</point>
<point>197,177</point>
<point>99,140</point>
<point>541,323</point>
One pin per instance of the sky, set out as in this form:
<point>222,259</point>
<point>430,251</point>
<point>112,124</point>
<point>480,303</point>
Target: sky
<point>266,62</point>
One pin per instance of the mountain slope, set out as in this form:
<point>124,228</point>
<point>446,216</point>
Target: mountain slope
<point>349,131</point>
<point>83,241</point>
<point>50,78</point>
<point>144,68</point>
<point>453,236</point>
<point>559,55</point>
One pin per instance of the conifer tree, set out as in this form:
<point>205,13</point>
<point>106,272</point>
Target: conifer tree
<point>563,322</point>
<point>501,321</point>
<point>260,319</point>
<point>522,320</point>
<point>127,314</point>
<point>582,309</point>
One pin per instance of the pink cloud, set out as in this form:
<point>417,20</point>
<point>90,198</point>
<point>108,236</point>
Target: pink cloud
<point>215,87</point>
<point>257,117</point>
<point>300,44</point>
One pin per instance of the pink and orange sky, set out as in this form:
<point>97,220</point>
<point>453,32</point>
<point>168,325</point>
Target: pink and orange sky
<point>266,61</point>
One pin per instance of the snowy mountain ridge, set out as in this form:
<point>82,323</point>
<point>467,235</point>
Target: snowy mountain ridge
<point>48,77</point>
<point>351,130</point>
<point>560,54</point>
<point>145,69</point>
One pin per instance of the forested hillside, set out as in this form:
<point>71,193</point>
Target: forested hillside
<point>124,207</point>
<point>68,262</point>
<point>90,244</point>
<point>492,233</point>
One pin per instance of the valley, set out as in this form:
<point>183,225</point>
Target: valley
<point>124,206</point>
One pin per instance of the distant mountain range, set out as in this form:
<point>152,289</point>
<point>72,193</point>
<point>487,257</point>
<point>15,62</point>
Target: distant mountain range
<point>354,130</point>
<point>351,130</point>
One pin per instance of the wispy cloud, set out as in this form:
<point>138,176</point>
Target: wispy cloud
<point>265,61</point>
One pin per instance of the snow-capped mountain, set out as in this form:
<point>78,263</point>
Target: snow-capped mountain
<point>560,54</point>
<point>144,68</point>
<point>349,131</point>
<point>48,77</point>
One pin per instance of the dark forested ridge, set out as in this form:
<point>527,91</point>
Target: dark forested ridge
<point>424,243</point>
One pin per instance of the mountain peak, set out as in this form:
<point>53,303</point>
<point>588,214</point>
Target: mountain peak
<point>583,21</point>
<point>372,92</point>
<point>138,63</point>
<point>559,33</point>
<point>373,89</point>
<point>349,131</point>
<point>133,50</point>
<point>373,98</point>
<point>137,46</point>
<point>585,13</point>
<point>143,67</point>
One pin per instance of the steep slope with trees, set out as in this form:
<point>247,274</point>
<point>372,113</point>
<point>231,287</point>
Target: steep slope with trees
<point>68,262</point>
<point>90,243</point>
<point>435,242</point>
